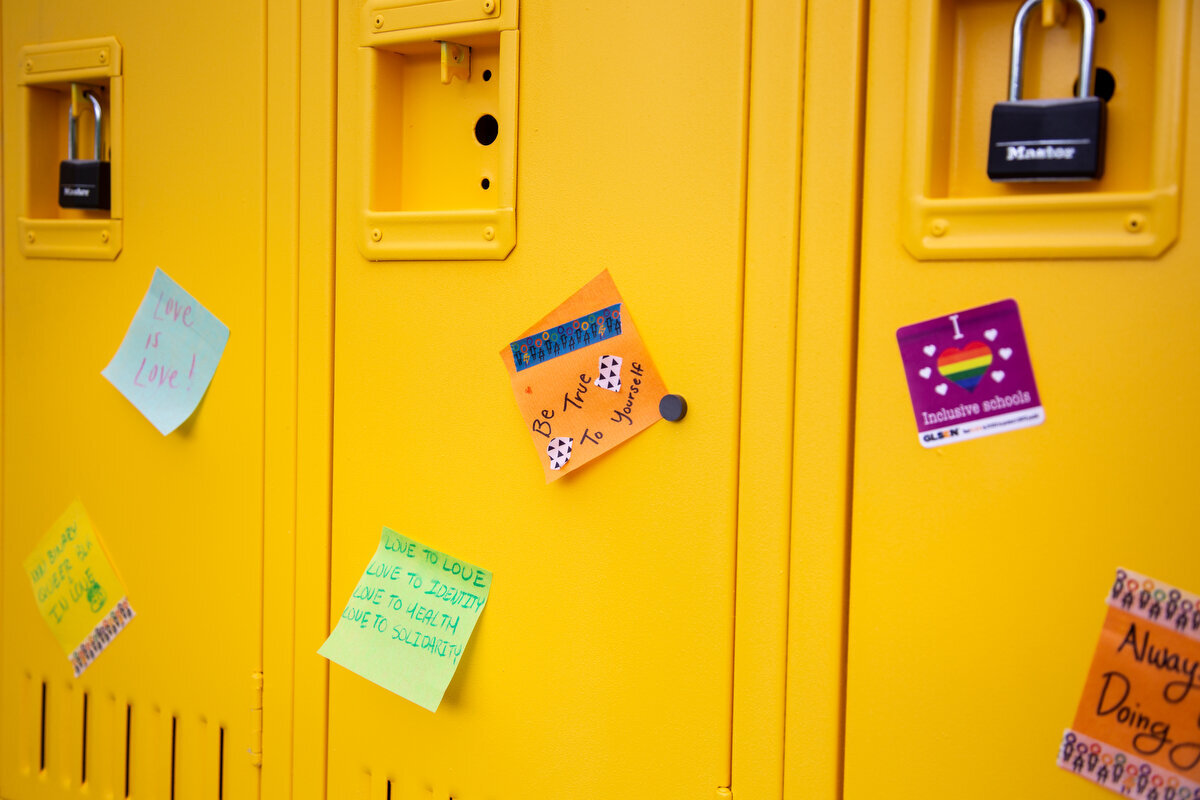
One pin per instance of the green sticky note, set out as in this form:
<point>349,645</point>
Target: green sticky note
<point>409,619</point>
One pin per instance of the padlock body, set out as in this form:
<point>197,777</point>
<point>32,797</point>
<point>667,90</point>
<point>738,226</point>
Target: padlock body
<point>1047,140</point>
<point>84,184</point>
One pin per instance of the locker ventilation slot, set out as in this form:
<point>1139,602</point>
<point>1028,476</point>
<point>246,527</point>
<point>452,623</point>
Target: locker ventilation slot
<point>174,723</point>
<point>42,746</point>
<point>221,767</point>
<point>128,738</point>
<point>83,766</point>
<point>389,790</point>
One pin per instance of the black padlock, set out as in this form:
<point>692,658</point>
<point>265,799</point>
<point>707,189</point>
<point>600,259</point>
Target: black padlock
<point>1049,140</point>
<point>84,183</point>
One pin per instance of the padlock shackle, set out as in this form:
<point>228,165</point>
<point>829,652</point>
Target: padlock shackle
<point>73,129</point>
<point>1016,69</point>
<point>97,153</point>
<point>72,135</point>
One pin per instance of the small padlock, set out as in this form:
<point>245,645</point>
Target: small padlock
<point>84,183</point>
<point>1049,140</point>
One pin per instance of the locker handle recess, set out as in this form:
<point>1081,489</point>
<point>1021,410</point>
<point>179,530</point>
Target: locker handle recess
<point>950,211</point>
<point>437,86</point>
<point>45,78</point>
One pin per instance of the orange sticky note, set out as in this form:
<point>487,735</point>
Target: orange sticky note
<point>583,379</point>
<point>1137,728</point>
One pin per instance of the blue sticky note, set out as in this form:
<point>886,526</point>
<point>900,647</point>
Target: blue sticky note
<point>169,354</point>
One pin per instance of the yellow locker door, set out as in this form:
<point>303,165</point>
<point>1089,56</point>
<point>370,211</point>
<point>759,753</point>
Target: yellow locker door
<point>165,710</point>
<point>602,664</point>
<point>979,568</point>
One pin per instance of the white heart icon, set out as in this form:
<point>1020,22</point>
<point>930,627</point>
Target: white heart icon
<point>925,372</point>
<point>1005,353</point>
<point>997,375</point>
<point>990,334</point>
<point>941,389</point>
<point>930,349</point>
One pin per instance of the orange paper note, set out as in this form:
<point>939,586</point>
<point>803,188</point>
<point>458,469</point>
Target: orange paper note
<point>1137,728</point>
<point>583,379</point>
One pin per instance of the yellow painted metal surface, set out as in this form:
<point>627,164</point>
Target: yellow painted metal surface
<point>301,75</point>
<point>826,317</point>
<point>603,661</point>
<point>768,340</point>
<point>671,622</point>
<point>168,705</point>
<point>978,569</point>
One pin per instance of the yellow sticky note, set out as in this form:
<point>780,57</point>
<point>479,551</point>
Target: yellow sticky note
<point>77,589</point>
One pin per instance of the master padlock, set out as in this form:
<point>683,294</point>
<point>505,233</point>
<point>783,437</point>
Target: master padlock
<point>83,183</point>
<point>1049,140</point>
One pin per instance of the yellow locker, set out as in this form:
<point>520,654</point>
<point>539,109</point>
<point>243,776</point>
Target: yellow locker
<point>979,568</point>
<point>583,674</point>
<point>605,660</point>
<point>166,711</point>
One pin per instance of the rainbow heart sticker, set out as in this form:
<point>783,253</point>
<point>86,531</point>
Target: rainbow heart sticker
<point>965,367</point>
<point>982,389</point>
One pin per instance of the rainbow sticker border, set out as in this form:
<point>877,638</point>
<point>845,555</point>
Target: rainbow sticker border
<point>1157,602</point>
<point>567,337</point>
<point>101,636</point>
<point>1119,771</point>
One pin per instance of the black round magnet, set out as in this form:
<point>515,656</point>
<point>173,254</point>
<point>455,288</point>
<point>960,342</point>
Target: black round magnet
<point>672,407</point>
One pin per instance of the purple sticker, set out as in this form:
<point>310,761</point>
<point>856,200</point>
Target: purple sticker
<point>969,374</point>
